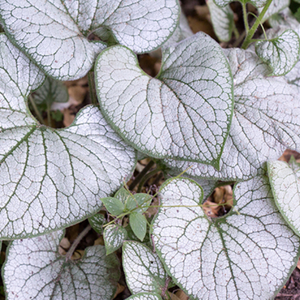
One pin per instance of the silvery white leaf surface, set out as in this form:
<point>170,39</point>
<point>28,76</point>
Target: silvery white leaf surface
<point>281,52</point>
<point>145,296</point>
<point>50,178</point>
<point>285,182</point>
<point>35,270</point>
<point>113,236</point>
<point>222,20</point>
<point>247,254</point>
<point>275,7</point>
<point>264,124</point>
<point>256,3</point>
<point>185,113</point>
<point>144,271</point>
<point>55,33</point>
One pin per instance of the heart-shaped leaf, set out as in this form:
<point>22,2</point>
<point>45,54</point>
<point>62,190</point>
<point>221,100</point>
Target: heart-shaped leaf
<point>285,182</point>
<point>265,122</point>
<point>281,52</point>
<point>222,20</point>
<point>113,236</point>
<point>55,33</point>
<point>244,255</point>
<point>184,114</point>
<point>145,296</point>
<point>35,270</point>
<point>51,178</point>
<point>138,224</point>
<point>257,3</point>
<point>143,270</point>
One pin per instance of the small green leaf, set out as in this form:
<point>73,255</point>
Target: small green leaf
<point>138,224</point>
<point>140,202</point>
<point>145,296</point>
<point>113,205</point>
<point>122,194</point>
<point>97,221</point>
<point>285,182</point>
<point>113,236</point>
<point>144,271</point>
<point>35,270</point>
<point>281,52</point>
<point>222,20</point>
<point>247,254</point>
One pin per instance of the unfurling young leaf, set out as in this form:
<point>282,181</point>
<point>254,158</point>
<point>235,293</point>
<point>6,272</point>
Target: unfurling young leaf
<point>285,183</point>
<point>281,53</point>
<point>185,113</point>
<point>244,255</point>
<point>143,270</point>
<point>138,224</point>
<point>113,236</point>
<point>35,270</point>
<point>97,221</point>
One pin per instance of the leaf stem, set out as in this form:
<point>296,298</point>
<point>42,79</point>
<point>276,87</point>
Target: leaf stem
<point>248,39</point>
<point>92,88</point>
<point>48,115</point>
<point>77,241</point>
<point>245,17</point>
<point>146,177</point>
<point>141,175</point>
<point>36,110</point>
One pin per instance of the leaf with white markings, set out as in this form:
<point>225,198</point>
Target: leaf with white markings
<point>34,269</point>
<point>244,255</point>
<point>281,52</point>
<point>222,20</point>
<point>145,296</point>
<point>257,3</point>
<point>185,113</point>
<point>113,236</point>
<point>275,7</point>
<point>265,121</point>
<point>285,182</point>
<point>143,270</point>
<point>97,221</point>
<point>51,178</point>
<point>55,33</point>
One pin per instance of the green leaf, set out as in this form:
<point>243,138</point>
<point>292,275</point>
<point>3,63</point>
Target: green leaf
<point>51,178</point>
<point>145,296</point>
<point>248,254</point>
<point>35,270</point>
<point>140,202</point>
<point>138,224</point>
<point>113,205</point>
<point>51,91</point>
<point>281,52</point>
<point>144,271</point>
<point>122,194</point>
<point>185,114</point>
<point>257,3</point>
<point>97,221</point>
<point>265,122</point>
<point>113,236</point>
<point>285,182</point>
<point>222,20</point>
<point>55,33</point>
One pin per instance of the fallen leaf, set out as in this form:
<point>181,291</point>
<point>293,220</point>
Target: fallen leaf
<point>120,289</point>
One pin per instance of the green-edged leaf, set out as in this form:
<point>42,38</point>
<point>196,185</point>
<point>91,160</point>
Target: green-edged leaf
<point>97,221</point>
<point>51,91</point>
<point>35,270</point>
<point>265,121</point>
<point>275,7</point>
<point>281,52</point>
<point>285,182</point>
<point>143,270</point>
<point>222,20</point>
<point>122,194</point>
<point>145,296</point>
<point>138,224</point>
<point>185,114</point>
<point>139,201</point>
<point>55,33</point>
<point>113,205</point>
<point>244,255</point>
<point>257,3</point>
<point>51,178</point>
<point>113,236</point>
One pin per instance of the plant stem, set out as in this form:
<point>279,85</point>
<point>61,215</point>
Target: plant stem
<point>146,177</point>
<point>245,16</point>
<point>48,115</point>
<point>36,110</point>
<point>139,177</point>
<point>77,241</point>
<point>92,88</point>
<point>248,39</point>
